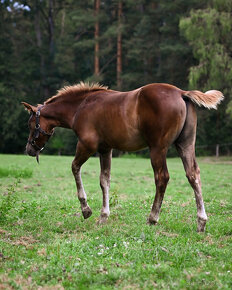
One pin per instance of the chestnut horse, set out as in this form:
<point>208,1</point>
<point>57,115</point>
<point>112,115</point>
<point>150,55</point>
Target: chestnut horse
<point>154,116</point>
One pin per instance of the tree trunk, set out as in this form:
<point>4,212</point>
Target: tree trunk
<point>62,23</point>
<point>96,38</point>
<point>51,28</point>
<point>39,46</point>
<point>119,46</point>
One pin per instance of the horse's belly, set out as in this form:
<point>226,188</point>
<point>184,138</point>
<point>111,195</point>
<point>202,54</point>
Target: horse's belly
<point>130,143</point>
<point>132,147</point>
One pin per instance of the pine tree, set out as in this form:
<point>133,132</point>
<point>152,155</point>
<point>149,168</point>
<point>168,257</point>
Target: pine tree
<point>208,31</point>
<point>119,46</point>
<point>96,38</point>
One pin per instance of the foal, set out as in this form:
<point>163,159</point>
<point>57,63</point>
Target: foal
<point>153,116</point>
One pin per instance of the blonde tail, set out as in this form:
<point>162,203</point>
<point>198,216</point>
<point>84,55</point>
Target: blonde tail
<point>209,99</point>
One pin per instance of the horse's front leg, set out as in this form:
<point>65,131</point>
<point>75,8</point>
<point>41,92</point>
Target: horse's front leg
<point>105,161</point>
<point>82,155</point>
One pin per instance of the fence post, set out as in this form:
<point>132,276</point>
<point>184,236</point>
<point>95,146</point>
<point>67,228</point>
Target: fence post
<point>217,150</point>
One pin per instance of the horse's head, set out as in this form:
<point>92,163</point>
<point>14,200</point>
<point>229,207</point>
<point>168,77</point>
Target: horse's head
<point>40,130</point>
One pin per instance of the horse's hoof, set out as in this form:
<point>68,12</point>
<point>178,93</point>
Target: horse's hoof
<point>102,220</point>
<point>201,225</point>
<point>151,222</point>
<point>87,212</point>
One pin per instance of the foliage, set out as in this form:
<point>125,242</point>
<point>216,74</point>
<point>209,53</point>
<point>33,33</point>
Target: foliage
<point>46,243</point>
<point>8,201</point>
<point>155,50</point>
<point>57,49</point>
<point>207,31</point>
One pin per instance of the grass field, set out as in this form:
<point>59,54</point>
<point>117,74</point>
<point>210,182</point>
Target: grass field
<point>45,243</point>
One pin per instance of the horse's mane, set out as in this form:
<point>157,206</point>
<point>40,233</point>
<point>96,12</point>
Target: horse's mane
<point>76,89</point>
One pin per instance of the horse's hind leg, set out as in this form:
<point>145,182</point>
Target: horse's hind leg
<point>158,161</point>
<point>192,170</point>
<point>185,145</point>
<point>105,162</point>
<point>82,155</point>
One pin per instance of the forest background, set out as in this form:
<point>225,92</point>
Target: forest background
<point>123,44</point>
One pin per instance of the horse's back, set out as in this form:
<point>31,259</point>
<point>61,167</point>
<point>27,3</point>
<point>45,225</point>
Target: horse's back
<point>111,119</point>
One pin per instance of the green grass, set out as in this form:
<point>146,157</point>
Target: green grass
<point>44,240</point>
<point>15,172</point>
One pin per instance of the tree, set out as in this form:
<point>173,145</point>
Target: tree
<point>46,44</point>
<point>96,38</point>
<point>119,46</point>
<point>207,31</point>
<point>153,49</point>
<point>12,137</point>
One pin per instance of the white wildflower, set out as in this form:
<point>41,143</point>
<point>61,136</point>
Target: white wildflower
<point>125,244</point>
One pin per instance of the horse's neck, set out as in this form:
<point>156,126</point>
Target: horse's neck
<point>60,113</point>
<point>63,110</point>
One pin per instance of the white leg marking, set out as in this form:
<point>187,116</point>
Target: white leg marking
<point>105,162</point>
<point>105,185</point>
<point>201,214</point>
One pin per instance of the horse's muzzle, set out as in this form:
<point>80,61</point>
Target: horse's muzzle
<point>30,150</point>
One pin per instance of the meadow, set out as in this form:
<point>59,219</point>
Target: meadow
<point>46,244</point>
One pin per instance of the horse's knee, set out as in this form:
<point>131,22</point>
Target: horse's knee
<point>193,173</point>
<point>166,177</point>
<point>161,180</point>
<point>104,179</point>
<point>193,176</point>
<point>75,167</point>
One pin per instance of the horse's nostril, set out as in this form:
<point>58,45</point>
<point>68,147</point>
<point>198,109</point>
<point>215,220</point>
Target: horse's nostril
<point>32,153</point>
<point>30,150</point>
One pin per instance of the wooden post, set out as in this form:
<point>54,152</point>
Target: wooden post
<point>217,150</point>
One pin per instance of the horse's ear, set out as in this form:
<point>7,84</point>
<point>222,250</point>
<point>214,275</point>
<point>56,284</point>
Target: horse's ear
<point>29,107</point>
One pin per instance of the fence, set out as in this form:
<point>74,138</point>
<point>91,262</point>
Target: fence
<point>214,149</point>
<point>201,150</point>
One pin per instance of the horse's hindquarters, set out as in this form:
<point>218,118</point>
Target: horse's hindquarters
<point>162,115</point>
